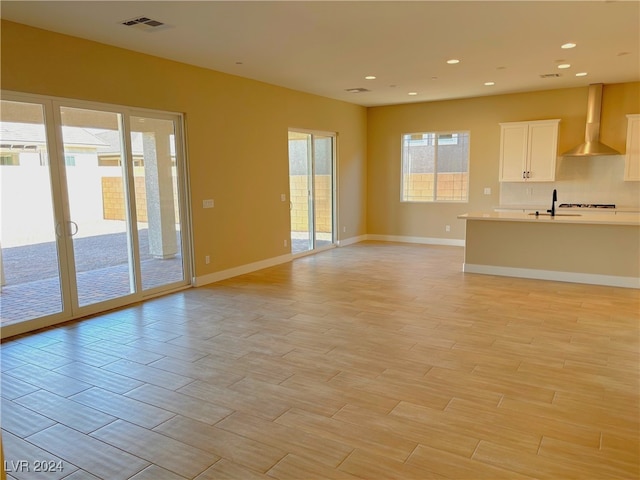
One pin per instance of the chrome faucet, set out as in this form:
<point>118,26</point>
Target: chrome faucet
<point>554,199</point>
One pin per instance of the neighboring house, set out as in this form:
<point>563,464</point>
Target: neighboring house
<point>25,144</point>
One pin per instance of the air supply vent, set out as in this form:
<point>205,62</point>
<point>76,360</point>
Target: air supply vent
<point>550,75</point>
<point>145,24</point>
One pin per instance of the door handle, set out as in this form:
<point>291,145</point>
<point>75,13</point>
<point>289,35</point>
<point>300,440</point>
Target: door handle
<point>70,223</point>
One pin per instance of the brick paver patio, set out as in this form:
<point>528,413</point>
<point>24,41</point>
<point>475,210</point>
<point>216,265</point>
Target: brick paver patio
<point>32,287</point>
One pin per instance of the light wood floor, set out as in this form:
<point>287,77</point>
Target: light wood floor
<point>374,361</point>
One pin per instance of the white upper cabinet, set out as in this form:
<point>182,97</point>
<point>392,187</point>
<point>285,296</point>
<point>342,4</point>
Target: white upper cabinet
<point>632,157</point>
<point>528,151</point>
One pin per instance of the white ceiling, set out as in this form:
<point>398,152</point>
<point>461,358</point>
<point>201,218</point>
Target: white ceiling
<point>326,47</point>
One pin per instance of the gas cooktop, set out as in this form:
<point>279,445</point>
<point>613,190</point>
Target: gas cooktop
<point>587,205</point>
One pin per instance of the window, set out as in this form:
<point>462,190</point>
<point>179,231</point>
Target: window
<point>435,167</point>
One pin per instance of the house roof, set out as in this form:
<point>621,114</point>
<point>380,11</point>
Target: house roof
<point>13,133</point>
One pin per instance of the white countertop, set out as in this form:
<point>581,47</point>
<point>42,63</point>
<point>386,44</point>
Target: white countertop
<point>561,217</point>
<point>543,208</point>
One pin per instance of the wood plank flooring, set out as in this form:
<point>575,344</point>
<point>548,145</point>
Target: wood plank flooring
<point>373,361</point>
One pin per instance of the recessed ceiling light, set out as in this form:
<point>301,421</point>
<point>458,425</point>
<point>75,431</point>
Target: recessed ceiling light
<point>581,74</point>
<point>413,93</point>
<point>568,45</point>
<point>564,65</point>
<point>453,61</point>
<point>370,77</point>
<point>489,84</point>
<point>357,90</point>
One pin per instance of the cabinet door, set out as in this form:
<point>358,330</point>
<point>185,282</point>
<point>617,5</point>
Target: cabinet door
<point>513,152</point>
<point>542,151</point>
<point>632,157</point>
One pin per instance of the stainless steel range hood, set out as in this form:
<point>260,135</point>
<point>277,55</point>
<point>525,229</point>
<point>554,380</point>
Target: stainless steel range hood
<point>592,145</point>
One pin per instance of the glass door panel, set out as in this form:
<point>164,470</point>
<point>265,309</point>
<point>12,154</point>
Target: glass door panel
<point>30,281</point>
<point>311,164</point>
<point>156,198</point>
<point>300,186</point>
<point>90,206</point>
<point>98,204</point>
<point>323,189</point>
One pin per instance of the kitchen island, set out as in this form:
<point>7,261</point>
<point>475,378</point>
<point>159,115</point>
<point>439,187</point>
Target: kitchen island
<point>601,249</point>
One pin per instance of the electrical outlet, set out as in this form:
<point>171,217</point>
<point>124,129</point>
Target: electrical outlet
<point>283,197</point>
<point>207,259</point>
<point>285,243</point>
<point>447,228</point>
<point>344,229</point>
<point>207,203</point>
<point>487,190</point>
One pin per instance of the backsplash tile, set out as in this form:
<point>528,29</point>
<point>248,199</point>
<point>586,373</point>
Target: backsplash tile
<point>578,180</point>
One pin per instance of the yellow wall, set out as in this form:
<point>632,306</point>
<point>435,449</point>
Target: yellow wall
<point>236,135</point>
<point>481,116</point>
<point>237,139</point>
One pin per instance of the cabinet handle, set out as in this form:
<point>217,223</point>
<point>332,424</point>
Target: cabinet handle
<point>524,174</point>
<point>528,174</point>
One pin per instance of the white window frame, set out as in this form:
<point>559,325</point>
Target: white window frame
<point>434,139</point>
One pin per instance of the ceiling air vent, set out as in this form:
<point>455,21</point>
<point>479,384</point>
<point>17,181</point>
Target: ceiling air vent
<point>550,75</point>
<point>145,24</point>
<point>357,90</point>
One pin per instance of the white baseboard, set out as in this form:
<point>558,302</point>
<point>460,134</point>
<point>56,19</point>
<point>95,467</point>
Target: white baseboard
<point>241,270</point>
<point>573,277</point>
<point>421,240</point>
<point>351,240</point>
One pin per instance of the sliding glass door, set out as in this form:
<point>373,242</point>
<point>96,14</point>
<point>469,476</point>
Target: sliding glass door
<point>323,154</point>
<point>30,260</point>
<point>311,187</point>
<point>102,259</point>
<point>91,209</point>
<point>157,205</point>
